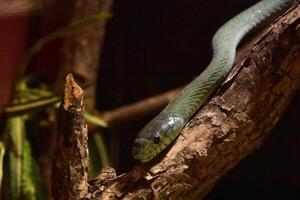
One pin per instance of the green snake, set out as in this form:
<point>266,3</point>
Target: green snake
<point>166,126</point>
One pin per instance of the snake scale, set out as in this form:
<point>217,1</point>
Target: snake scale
<point>166,126</point>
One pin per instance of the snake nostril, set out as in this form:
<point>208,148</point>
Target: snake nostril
<point>135,150</point>
<point>156,140</point>
<point>137,145</point>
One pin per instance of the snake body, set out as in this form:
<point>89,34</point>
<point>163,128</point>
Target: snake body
<point>166,126</point>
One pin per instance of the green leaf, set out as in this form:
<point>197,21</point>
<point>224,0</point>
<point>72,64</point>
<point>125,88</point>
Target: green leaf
<point>15,128</point>
<point>31,105</point>
<point>28,183</point>
<point>98,154</point>
<point>2,152</point>
<point>93,119</point>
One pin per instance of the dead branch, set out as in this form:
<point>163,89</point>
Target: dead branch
<point>70,163</point>
<point>236,121</point>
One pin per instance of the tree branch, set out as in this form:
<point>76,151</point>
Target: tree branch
<point>236,121</point>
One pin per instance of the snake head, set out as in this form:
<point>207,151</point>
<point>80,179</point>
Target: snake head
<point>156,136</point>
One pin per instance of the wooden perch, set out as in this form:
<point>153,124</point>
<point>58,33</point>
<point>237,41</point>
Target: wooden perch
<point>70,164</point>
<point>236,121</point>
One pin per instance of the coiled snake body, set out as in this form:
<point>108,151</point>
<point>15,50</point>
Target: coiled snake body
<point>166,126</point>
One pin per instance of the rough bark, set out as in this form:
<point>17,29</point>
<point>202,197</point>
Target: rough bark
<point>236,121</point>
<point>70,164</point>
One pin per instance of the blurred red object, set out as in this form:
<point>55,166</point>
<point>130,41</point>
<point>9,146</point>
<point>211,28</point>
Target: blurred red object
<point>17,7</point>
<point>13,39</point>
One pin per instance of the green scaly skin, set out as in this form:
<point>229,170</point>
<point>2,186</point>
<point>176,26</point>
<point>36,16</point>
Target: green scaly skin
<point>165,127</point>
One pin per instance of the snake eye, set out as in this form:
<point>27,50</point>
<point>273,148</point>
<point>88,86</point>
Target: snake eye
<point>156,140</point>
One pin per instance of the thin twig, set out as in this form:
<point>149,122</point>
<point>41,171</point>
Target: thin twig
<point>139,109</point>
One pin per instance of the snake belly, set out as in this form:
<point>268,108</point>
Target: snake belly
<point>166,126</point>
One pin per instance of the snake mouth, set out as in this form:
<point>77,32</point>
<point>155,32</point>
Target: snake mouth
<point>156,136</point>
<point>138,146</point>
<point>144,150</point>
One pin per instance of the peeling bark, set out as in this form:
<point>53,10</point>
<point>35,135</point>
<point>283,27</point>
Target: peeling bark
<point>236,121</point>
